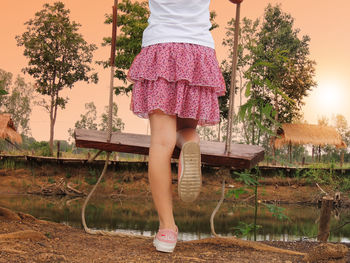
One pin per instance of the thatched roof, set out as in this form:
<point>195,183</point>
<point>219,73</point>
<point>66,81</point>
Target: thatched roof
<point>308,134</point>
<point>8,130</point>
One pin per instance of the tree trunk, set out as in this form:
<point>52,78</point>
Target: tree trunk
<point>326,209</point>
<point>51,137</point>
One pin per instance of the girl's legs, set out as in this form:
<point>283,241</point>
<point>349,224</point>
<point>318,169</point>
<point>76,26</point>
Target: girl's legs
<point>189,169</point>
<point>166,131</point>
<point>186,131</point>
<point>163,139</point>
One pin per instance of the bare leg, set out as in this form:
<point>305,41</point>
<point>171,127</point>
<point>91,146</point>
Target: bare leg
<point>186,131</point>
<point>189,169</point>
<point>163,139</point>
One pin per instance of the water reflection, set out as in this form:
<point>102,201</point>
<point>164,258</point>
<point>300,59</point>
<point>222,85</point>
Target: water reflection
<point>138,216</point>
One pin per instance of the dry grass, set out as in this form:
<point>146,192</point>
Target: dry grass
<point>301,134</point>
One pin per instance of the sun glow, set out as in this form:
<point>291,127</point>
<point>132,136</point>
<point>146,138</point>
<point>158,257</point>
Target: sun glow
<point>328,99</point>
<point>329,96</point>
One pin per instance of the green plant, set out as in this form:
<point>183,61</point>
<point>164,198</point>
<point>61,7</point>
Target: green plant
<point>345,185</point>
<point>68,174</point>
<point>51,180</point>
<point>91,180</point>
<point>277,211</point>
<point>317,175</point>
<point>9,164</point>
<point>243,229</point>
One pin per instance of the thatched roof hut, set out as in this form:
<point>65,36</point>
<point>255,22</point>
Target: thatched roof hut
<point>292,134</point>
<point>8,130</point>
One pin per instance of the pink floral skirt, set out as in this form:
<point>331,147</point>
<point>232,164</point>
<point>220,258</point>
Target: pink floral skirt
<point>180,79</point>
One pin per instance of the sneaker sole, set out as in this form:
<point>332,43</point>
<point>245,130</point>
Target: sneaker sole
<point>163,247</point>
<point>190,182</point>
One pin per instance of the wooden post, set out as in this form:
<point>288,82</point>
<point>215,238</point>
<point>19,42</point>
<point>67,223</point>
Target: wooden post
<point>326,209</point>
<point>58,149</point>
<point>313,153</point>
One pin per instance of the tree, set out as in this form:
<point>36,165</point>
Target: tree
<point>341,125</point>
<point>5,82</point>
<point>18,101</point>
<point>295,74</point>
<point>58,57</point>
<point>274,71</point>
<point>132,21</point>
<point>117,123</point>
<point>87,120</point>
<point>247,42</point>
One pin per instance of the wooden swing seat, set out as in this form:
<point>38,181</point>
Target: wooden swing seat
<point>212,153</point>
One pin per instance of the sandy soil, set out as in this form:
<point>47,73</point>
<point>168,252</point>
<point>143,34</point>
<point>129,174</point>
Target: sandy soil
<point>26,239</point>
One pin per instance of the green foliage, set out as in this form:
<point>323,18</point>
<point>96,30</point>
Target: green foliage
<point>92,177</point>
<point>5,82</point>
<point>316,174</point>
<point>277,211</point>
<point>345,185</point>
<point>8,164</point>
<point>207,133</point>
<point>236,192</point>
<point>117,123</point>
<point>18,101</point>
<point>41,148</point>
<point>247,177</point>
<point>88,120</point>
<point>58,56</point>
<point>244,229</point>
<point>91,180</point>
<point>51,180</point>
<point>132,20</point>
<point>274,73</point>
<point>68,174</point>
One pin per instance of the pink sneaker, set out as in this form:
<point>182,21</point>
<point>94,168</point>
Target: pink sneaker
<point>165,240</point>
<point>189,173</point>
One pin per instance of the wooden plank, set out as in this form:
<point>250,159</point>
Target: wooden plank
<point>241,156</point>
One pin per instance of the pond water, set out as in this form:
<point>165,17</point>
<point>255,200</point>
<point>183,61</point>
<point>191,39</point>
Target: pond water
<point>138,216</point>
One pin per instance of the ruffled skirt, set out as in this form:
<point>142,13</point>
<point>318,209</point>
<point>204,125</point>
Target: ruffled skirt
<point>180,79</point>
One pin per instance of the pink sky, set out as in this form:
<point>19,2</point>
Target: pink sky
<point>327,24</point>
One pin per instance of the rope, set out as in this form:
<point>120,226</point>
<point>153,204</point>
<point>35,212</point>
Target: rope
<point>102,232</point>
<point>109,136</point>
<point>233,83</point>
<point>212,227</point>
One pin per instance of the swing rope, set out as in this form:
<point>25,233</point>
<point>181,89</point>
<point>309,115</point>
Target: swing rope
<point>109,136</point>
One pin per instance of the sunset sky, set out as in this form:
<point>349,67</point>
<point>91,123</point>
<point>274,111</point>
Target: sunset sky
<point>326,22</point>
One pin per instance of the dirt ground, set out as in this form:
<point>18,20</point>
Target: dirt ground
<point>26,239</point>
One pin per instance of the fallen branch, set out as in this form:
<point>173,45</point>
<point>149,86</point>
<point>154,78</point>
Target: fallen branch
<point>323,191</point>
